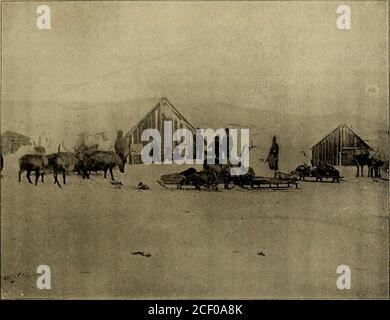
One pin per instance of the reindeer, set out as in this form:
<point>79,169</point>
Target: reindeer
<point>99,160</point>
<point>361,159</point>
<point>376,164</point>
<point>371,160</point>
<point>61,162</point>
<point>33,163</point>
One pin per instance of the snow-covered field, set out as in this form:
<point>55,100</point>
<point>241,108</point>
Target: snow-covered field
<point>227,244</point>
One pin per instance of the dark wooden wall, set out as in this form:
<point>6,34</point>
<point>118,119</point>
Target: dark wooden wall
<point>338,147</point>
<point>155,120</point>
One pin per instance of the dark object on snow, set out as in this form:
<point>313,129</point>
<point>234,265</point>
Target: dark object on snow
<point>191,177</point>
<point>141,253</point>
<point>117,184</point>
<point>204,178</point>
<point>303,170</point>
<point>143,186</point>
<point>322,171</point>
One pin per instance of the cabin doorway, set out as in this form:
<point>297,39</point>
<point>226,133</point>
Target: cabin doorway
<point>347,156</point>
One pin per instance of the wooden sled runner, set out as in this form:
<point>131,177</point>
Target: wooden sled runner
<point>272,183</point>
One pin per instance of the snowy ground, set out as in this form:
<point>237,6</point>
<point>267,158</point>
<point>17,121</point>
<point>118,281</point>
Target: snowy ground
<point>226,244</point>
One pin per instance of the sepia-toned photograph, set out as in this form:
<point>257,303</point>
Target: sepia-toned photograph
<point>194,150</point>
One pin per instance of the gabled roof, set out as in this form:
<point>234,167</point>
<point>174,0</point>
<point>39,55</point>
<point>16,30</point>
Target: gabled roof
<point>163,101</point>
<point>14,135</point>
<point>348,128</point>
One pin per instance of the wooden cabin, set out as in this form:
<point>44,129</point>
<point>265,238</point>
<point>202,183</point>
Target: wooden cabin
<point>154,119</point>
<point>12,141</point>
<point>338,147</point>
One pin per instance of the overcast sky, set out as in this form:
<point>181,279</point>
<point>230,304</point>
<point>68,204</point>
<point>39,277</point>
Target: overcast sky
<point>283,56</point>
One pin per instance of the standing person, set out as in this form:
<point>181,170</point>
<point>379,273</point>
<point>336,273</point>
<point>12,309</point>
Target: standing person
<point>228,143</point>
<point>121,147</point>
<point>216,149</point>
<point>273,156</point>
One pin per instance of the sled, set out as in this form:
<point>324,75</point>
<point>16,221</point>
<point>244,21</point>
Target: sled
<point>318,174</point>
<point>180,181</point>
<point>321,178</point>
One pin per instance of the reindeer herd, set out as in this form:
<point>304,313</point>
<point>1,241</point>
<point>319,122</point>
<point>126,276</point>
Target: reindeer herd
<point>373,162</point>
<point>82,161</point>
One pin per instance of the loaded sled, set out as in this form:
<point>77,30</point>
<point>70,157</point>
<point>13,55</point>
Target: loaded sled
<point>215,176</point>
<point>320,173</point>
